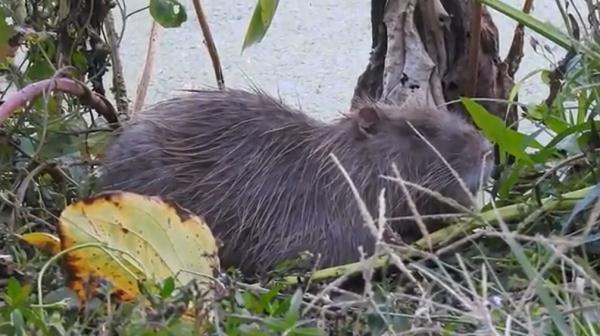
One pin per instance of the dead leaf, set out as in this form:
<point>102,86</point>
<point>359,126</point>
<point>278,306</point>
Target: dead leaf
<point>152,240</point>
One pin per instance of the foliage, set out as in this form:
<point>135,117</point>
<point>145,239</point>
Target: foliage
<point>168,13</point>
<point>528,264</point>
<point>260,22</point>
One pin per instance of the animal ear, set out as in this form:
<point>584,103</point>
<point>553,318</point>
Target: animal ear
<point>368,117</point>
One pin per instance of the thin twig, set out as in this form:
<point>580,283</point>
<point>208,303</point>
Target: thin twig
<point>142,88</point>
<point>210,44</point>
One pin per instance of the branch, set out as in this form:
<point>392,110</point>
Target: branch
<point>119,87</point>
<point>142,88</point>
<point>210,44</point>
<point>515,53</point>
<point>474,45</point>
<point>96,101</point>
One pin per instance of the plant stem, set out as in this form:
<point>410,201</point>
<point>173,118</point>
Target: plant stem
<point>142,88</point>
<point>210,44</point>
<point>507,213</point>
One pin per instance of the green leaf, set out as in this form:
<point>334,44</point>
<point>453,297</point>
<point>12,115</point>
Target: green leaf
<point>260,22</point>
<point>17,295</point>
<point>17,321</point>
<point>265,299</point>
<point>546,30</point>
<point>545,76</point>
<point>168,287</point>
<point>550,148</point>
<point>509,140</point>
<point>39,65</point>
<point>95,144</point>
<point>251,303</point>
<point>168,13</point>
<point>79,61</point>
<point>293,312</point>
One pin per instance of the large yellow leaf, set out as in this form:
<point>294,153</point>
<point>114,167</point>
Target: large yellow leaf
<point>151,240</point>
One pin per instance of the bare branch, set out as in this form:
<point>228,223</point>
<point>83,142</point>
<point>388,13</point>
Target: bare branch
<point>210,44</point>
<point>474,45</point>
<point>96,101</point>
<point>515,53</point>
<point>119,87</point>
<point>142,88</point>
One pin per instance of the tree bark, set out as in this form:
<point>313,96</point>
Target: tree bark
<point>419,56</point>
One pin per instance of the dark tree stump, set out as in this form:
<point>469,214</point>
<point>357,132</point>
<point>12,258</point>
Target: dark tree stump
<point>420,56</point>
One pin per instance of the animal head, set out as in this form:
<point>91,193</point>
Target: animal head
<point>423,142</point>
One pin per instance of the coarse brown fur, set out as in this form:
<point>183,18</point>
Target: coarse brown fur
<point>261,175</point>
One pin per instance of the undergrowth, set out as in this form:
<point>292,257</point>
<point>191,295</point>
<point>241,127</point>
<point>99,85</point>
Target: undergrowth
<point>526,264</point>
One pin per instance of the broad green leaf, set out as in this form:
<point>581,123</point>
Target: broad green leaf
<point>168,13</point>
<point>152,240</point>
<point>546,30</point>
<point>509,140</point>
<point>260,22</point>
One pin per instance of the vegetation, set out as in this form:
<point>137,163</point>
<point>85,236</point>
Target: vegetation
<point>527,263</point>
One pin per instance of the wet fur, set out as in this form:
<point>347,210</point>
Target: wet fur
<point>261,175</point>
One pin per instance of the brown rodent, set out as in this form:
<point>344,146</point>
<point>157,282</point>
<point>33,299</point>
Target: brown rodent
<point>261,175</point>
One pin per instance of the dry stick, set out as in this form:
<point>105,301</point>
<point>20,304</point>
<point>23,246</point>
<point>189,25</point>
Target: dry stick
<point>475,41</point>
<point>22,97</point>
<point>120,89</point>
<point>142,88</point>
<point>515,53</point>
<point>210,44</point>
<point>413,207</point>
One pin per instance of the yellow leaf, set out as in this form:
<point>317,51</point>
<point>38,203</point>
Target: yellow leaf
<point>150,239</point>
<point>44,241</point>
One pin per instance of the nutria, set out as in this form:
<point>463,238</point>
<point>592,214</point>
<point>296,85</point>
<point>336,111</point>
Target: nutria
<point>261,174</point>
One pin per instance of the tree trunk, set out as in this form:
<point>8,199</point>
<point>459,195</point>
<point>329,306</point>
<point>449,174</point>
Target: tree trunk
<point>420,56</point>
